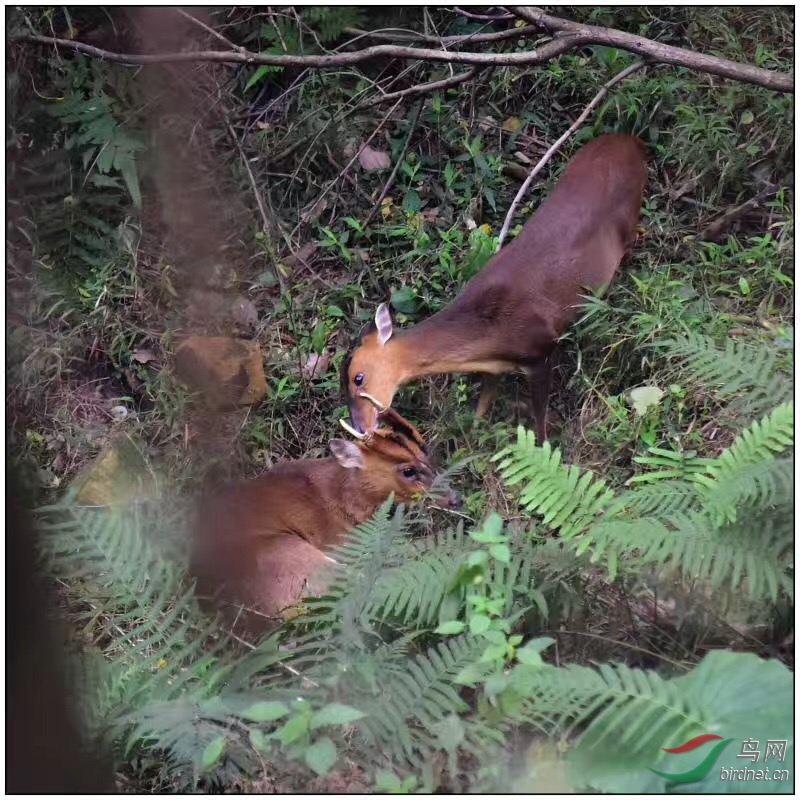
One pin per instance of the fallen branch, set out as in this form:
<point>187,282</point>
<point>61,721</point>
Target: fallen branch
<point>569,36</point>
<point>655,51</point>
<point>620,76</point>
<point>425,88</point>
<point>538,56</point>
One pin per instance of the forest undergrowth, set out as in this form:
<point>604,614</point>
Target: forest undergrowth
<point>625,587</point>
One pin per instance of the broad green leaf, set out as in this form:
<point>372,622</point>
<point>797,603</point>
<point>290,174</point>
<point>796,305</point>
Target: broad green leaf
<point>404,300</point>
<point>293,729</point>
<point>335,714</point>
<point>500,552</point>
<point>452,626</point>
<point>259,741</point>
<point>321,756</point>
<point>478,624</point>
<point>265,711</point>
<point>386,781</point>
<point>531,653</point>
<point>213,752</point>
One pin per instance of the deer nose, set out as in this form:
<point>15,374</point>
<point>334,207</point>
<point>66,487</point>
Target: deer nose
<point>356,420</point>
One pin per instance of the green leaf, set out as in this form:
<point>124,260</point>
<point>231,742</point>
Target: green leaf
<point>478,624</point>
<point>453,626</point>
<point>530,654</point>
<point>477,558</point>
<point>259,741</point>
<point>258,75</point>
<point>266,711</point>
<point>386,781</point>
<point>319,337</point>
<point>321,756</point>
<point>500,552</point>
<point>744,286</point>
<point>213,752</point>
<point>411,202</point>
<point>494,651</point>
<point>496,683</point>
<point>296,727</point>
<point>127,166</point>
<point>404,300</point>
<point>335,714</point>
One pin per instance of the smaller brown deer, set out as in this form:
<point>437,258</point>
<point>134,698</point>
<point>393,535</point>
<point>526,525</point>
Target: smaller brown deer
<point>258,545</point>
<point>511,314</point>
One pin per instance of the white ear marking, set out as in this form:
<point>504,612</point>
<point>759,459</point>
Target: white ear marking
<point>383,322</point>
<point>347,453</point>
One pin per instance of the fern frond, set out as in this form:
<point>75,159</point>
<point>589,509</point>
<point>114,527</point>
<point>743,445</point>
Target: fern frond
<point>731,554</point>
<point>413,591</point>
<point>566,498</point>
<point>629,715</point>
<point>733,369</point>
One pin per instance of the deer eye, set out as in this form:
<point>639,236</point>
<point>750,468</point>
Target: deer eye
<point>359,379</point>
<point>409,472</point>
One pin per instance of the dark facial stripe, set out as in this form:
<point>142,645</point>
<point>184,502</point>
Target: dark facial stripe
<point>402,427</point>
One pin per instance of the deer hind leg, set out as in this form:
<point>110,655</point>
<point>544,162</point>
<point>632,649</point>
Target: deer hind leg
<point>489,386</point>
<point>539,383</point>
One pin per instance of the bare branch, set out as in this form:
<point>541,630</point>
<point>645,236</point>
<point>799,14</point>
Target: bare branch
<point>539,55</point>
<point>568,36</point>
<point>448,41</point>
<point>426,88</point>
<point>662,53</point>
<point>620,76</point>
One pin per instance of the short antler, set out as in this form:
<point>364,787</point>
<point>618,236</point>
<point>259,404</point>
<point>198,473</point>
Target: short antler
<point>352,431</point>
<point>372,400</point>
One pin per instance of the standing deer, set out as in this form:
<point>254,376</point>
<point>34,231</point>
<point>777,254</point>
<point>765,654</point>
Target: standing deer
<point>511,314</point>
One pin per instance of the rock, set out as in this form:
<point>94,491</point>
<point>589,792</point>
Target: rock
<point>118,475</point>
<point>226,372</point>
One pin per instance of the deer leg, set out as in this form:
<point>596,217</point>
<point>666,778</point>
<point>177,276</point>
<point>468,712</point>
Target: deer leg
<point>539,383</point>
<point>488,393</point>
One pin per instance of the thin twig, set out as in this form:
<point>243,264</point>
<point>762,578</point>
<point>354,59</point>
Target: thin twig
<point>350,163</point>
<point>209,29</point>
<point>259,200</point>
<point>388,185</point>
<point>424,88</point>
<point>620,76</point>
<point>716,226</point>
<point>482,17</point>
<point>451,41</point>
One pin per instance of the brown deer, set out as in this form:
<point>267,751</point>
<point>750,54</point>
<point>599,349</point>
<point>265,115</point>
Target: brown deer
<point>259,544</point>
<point>511,314</point>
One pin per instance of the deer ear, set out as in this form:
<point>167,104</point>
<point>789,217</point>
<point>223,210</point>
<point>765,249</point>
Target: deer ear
<point>347,453</point>
<point>383,322</point>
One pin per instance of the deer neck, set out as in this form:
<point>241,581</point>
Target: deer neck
<point>441,345</point>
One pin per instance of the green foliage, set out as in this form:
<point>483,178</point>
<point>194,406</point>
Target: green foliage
<point>434,645</point>
<point>736,369</point>
<point>725,520</point>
